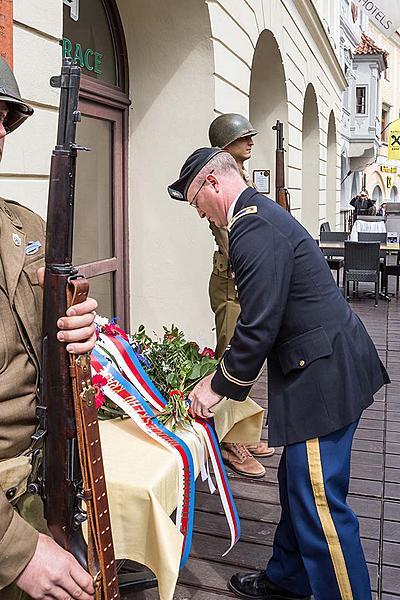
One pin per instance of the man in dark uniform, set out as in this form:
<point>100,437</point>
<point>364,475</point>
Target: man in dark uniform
<point>323,370</point>
<point>234,133</point>
<point>31,562</point>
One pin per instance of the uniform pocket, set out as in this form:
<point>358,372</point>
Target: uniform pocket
<point>14,474</point>
<point>302,350</point>
<point>31,269</point>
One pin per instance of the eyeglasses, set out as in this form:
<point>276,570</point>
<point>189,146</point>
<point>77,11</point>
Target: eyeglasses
<point>193,203</point>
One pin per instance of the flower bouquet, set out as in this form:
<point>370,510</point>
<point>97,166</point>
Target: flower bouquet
<point>173,364</point>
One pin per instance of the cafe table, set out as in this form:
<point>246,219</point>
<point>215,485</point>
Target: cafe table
<point>142,485</point>
<point>337,248</point>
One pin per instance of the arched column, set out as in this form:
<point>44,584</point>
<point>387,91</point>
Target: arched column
<point>172,90</point>
<point>377,194</point>
<point>394,194</point>
<point>331,175</point>
<point>310,163</point>
<point>268,102</point>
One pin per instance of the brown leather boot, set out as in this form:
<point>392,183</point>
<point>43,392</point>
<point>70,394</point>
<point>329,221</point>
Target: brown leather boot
<point>239,459</point>
<point>260,449</point>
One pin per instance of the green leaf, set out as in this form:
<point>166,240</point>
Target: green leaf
<point>195,372</point>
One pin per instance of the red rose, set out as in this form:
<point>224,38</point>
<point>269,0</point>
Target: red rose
<point>208,352</point>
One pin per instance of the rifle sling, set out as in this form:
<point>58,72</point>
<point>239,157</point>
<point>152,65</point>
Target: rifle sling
<point>101,558</point>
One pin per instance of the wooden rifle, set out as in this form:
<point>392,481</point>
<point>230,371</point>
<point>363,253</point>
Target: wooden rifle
<point>282,196</point>
<point>71,476</point>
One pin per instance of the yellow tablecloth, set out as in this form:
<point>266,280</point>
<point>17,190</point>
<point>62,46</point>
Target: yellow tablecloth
<point>142,483</point>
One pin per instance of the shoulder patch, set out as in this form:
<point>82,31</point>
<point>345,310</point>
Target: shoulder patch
<point>248,210</point>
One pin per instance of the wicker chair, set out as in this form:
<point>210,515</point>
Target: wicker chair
<point>361,263</point>
<point>335,262</point>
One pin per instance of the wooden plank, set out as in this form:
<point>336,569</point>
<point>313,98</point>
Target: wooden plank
<point>391,555</point>
<point>390,579</point>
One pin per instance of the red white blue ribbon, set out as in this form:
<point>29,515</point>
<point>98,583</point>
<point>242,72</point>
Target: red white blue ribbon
<point>126,396</point>
<point>117,347</point>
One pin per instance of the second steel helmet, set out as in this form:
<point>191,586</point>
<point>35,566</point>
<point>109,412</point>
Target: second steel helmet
<point>18,110</point>
<point>229,127</point>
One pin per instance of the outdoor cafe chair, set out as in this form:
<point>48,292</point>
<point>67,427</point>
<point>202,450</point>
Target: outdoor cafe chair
<point>361,264</point>
<point>335,262</point>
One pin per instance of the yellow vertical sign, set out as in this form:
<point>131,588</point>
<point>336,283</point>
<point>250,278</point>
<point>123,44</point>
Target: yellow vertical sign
<point>389,182</point>
<point>394,140</point>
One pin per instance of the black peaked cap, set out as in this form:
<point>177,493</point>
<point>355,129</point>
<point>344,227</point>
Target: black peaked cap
<point>191,167</point>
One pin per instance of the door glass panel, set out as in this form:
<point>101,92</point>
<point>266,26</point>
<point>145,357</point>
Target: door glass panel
<point>93,238</point>
<point>88,39</point>
<point>102,288</point>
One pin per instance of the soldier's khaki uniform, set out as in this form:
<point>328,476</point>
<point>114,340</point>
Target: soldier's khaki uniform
<point>20,339</point>
<point>224,300</point>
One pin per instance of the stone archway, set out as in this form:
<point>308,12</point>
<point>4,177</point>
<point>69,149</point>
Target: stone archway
<point>377,194</point>
<point>268,102</point>
<point>171,63</point>
<point>310,163</point>
<point>394,194</point>
<point>331,175</point>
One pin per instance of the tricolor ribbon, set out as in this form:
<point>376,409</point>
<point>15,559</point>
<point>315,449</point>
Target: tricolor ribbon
<point>117,349</point>
<point>126,396</point>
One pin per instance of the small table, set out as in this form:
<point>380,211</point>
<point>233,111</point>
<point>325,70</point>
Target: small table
<point>337,248</point>
<point>142,485</point>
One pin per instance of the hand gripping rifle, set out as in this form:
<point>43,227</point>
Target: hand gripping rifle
<point>71,477</point>
<point>282,195</point>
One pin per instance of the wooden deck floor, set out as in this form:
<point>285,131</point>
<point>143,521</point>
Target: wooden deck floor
<point>374,491</point>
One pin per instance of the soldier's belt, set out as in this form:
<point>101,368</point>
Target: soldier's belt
<point>221,264</point>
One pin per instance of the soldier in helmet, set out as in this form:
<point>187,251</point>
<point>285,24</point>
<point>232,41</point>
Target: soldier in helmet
<point>32,565</point>
<point>234,133</point>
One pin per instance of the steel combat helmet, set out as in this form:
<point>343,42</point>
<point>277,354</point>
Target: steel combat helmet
<point>229,127</point>
<point>18,110</point>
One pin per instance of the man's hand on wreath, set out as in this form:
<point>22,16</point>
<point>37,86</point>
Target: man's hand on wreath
<point>203,398</point>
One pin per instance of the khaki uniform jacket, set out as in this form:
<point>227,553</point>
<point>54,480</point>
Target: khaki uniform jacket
<point>20,341</point>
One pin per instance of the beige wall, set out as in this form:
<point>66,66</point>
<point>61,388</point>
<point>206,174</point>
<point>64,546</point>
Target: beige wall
<point>189,61</point>
<point>25,165</point>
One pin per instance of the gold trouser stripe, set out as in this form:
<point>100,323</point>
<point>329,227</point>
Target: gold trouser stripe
<point>328,526</point>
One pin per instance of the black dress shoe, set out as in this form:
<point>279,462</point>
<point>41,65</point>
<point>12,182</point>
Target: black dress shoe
<point>257,586</point>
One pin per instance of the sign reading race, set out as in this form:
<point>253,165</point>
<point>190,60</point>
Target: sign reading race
<point>87,59</point>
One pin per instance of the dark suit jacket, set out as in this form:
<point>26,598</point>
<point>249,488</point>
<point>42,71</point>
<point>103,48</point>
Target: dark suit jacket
<point>323,368</point>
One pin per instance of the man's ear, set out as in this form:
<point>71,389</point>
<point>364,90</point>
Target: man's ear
<point>215,182</point>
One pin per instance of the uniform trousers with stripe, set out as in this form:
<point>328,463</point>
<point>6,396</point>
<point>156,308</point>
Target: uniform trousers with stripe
<point>317,548</point>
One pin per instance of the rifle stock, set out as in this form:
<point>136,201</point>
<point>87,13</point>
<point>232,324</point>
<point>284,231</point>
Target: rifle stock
<point>72,470</point>
<point>282,196</point>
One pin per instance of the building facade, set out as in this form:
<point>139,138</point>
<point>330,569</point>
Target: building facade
<point>383,177</point>
<point>154,76</point>
<point>363,63</point>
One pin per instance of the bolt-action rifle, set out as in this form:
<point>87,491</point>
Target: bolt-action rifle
<point>282,195</point>
<point>71,476</point>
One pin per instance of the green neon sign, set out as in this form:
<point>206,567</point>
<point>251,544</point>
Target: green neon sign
<point>86,58</point>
